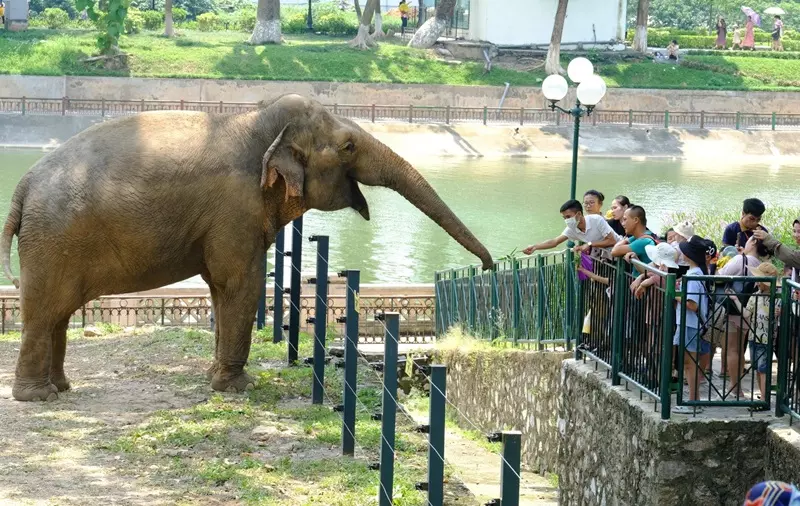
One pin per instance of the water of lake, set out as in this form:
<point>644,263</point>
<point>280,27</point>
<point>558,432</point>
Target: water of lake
<point>507,203</point>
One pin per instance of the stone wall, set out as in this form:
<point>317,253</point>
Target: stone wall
<point>608,446</point>
<point>510,390</point>
<point>134,88</point>
<point>420,141</point>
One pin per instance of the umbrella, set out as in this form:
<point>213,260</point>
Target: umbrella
<point>776,11</point>
<point>753,15</point>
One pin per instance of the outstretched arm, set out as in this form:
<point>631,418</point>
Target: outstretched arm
<point>789,256</point>
<point>549,244</point>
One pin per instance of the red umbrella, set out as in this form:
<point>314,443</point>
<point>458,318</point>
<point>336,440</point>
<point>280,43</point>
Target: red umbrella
<point>753,15</point>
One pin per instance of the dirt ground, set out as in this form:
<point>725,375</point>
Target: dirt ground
<point>141,426</point>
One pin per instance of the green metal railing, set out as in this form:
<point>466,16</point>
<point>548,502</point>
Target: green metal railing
<point>547,301</point>
<point>522,300</point>
<point>788,395</point>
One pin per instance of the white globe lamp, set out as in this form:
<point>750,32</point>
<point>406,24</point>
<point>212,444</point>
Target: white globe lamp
<point>555,88</point>
<point>591,90</point>
<point>580,69</point>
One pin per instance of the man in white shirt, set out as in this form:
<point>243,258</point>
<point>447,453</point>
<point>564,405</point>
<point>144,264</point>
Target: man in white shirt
<point>592,230</point>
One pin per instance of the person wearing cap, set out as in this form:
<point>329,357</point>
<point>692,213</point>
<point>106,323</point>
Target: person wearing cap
<point>635,223</point>
<point>662,257</point>
<point>772,493</point>
<point>790,257</point>
<point>757,315</point>
<point>591,229</point>
<point>697,302</point>
<point>738,232</point>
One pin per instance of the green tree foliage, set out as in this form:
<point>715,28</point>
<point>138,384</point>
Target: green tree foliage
<point>109,15</point>
<point>693,14</point>
<point>153,20</point>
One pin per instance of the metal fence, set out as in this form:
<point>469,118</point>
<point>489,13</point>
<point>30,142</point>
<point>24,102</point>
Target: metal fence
<point>641,325</point>
<point>417,114</point>
<point>416,313</point>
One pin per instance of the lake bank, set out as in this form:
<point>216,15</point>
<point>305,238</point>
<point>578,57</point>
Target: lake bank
<point>419,141</point>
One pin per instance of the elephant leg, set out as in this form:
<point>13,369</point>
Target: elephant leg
<point>235,308</point>
<point>57,376</point>
<point>32,379</point>
<point>214,309</point>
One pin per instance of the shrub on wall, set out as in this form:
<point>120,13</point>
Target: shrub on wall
<point>55,18</point>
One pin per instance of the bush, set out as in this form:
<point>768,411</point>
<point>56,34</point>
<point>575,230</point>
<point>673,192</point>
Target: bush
<point>336,23</point>
<point>153,20</point>
<point>179,14</point>
<point>294,23</point>
<point>246,19</point>
<point>55,18</point>
<point>134,21</point>
<point>207,22</point>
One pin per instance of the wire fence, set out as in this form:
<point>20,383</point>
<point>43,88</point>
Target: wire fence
<point>732,339</point>
<point>376,113</point>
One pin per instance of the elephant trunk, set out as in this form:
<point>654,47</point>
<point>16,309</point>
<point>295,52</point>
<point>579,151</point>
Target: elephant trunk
<point>384,167</point>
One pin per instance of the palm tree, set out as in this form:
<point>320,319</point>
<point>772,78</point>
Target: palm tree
<point>427,34</point>
<point>553,63</point>
<point>169,30</point>
<point>268,23</point>
<point>640,37</point>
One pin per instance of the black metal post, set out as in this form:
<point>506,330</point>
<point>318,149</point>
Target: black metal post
<point>576,114</point>
<point>350,364</point>
<point>294,296</point>
<point>261,312</point>
<point>277,302</point>
<point>509,477</point>
<point>388,416</point>
<point>320,318</point>
<point>310,24</point>
<point>436,435</point>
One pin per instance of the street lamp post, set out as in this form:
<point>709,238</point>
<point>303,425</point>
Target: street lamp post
<point>591,89</point>
<point>310,24</point>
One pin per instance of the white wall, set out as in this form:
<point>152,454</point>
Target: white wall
<point>526,22</point>
<point>16,10</point>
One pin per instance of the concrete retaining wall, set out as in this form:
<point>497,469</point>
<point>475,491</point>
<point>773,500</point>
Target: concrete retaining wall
<point>418,141</point>
<point>606,445</point>
<point>132,88</point>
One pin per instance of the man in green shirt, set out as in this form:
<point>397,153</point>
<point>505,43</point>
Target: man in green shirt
<point>635,223</point>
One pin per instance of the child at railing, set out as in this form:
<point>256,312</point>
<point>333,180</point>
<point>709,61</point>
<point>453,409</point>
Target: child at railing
<point>757,314</point>
<point>696,308</point>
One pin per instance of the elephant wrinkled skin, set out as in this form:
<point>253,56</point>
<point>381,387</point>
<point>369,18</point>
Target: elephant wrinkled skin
<point>141,202</point>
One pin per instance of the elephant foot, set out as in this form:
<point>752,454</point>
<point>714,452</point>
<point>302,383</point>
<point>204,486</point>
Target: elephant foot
<point>211,371</point>
<point>60,381</point>
<point>34,391</point>
<point>233,383</point>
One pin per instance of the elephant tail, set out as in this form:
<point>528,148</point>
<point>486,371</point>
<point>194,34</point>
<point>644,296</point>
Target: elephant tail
<point>11,228</point>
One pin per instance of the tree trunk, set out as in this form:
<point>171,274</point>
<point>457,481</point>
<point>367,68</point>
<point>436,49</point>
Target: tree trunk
<point>427,34</point>
<point>640,36</point>
<point>379,33</point>
<point>364,40</point>
<point>358,9</point>
<point>553,63</point>
<point>169,31</point>
<point>268,23</point>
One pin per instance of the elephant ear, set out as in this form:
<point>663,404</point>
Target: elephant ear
<point>284,160</point>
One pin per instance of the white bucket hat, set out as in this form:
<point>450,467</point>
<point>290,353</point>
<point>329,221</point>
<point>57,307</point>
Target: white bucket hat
<point>662,254</point>
<point>684,229</point>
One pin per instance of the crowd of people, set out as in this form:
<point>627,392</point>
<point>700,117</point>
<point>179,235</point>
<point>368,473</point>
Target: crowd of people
<point>746,250</point>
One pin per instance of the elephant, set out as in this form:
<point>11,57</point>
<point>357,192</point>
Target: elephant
<point>139,202</point>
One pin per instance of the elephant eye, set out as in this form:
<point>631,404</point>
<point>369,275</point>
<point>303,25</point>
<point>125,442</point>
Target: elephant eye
<point>349,146</point>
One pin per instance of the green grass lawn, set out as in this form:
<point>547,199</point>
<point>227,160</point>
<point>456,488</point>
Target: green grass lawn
<point>219,55</point>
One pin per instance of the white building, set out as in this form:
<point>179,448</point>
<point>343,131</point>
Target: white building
<point>530,22</point>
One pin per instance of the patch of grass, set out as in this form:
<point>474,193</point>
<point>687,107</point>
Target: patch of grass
<point>11,336</point>
<point>225,55</point>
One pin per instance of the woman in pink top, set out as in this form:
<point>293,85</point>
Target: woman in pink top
<point>749,41</point>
